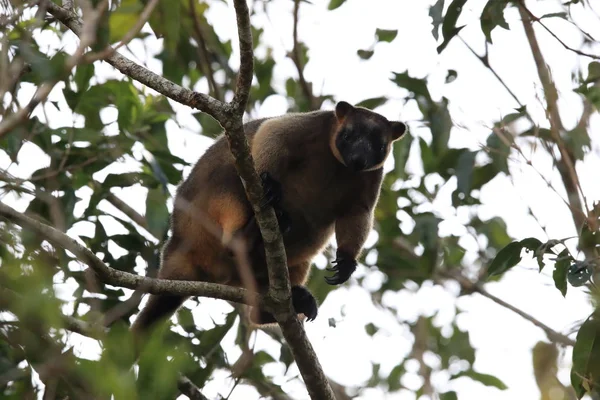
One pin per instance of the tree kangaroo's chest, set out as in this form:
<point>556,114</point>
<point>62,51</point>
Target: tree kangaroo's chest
<point>314,193</point>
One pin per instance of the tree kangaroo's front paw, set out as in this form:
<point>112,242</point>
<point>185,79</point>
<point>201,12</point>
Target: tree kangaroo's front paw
<point>272,191</point>
<point>344,267</point>
<point>304,302</point>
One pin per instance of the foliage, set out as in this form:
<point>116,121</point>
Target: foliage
<point>114,144</point>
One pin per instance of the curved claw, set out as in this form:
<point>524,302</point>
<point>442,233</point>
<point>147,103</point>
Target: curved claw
<point>304,302</point>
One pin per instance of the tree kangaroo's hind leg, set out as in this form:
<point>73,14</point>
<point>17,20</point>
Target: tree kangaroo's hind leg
<point>302,299</point>
<point>176,265</point>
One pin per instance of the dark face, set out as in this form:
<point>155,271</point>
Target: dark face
<point>364,138</point>
<point>363,144</point>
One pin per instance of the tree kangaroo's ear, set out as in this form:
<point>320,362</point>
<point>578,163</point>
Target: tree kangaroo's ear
<point>342,109</point>
<point>398,129</point>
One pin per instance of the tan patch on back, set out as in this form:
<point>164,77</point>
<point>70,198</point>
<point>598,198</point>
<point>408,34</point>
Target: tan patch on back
<point>229,213</point>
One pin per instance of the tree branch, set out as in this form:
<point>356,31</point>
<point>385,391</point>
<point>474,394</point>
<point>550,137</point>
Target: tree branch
<point>566,46</point>
<point>485,61</point>
<point>297,59</point>
<point>229,116</point>
<point>115,277</point>
<point>210,73</point>
<point>244,81</point>
<point>126,66</point>
<point>88,37</point>
<point>565,165</point>
<point>469,286</point>
<point>187,387</point>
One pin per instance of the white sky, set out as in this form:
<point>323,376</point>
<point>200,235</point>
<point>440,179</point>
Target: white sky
<point>503,340</point>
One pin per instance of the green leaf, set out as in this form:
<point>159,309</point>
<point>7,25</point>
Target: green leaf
<point>560,271</point>
<point>487,380</point>
<point>123,18</point>
<point>451,76</point>
<point>427,156</point>
<point>545,248</point>
<point>593,71</point>
<point>435,12</point>
<point>395,377</point>
<point>414,85</point>
<point>440,123</point>
<point>499,151</point>
<point>449,396</point>
<point>531,244</point>
<point>562,15</point>
<point>482,175</point>
<point>333,4</point>
<point>365,54</point>
<point>83,74</point>
<point>578,141</point>
<point>585,372</point>
<point>210,127</point>
<point>580,273</point>
<point>371,329</point>
<point>185,318</point>
<point>449,28</point>
<point>401,151</point>
<point>373,103</point>
<point>157,214</point>
<point>384,35</point>
<point>464,172</point>
<point>506,258</point>
<point>493,16</point>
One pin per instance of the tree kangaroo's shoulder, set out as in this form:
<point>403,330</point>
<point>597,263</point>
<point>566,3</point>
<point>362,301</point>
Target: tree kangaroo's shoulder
<point>294,127</point>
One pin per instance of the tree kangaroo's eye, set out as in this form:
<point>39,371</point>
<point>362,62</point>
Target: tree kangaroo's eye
<point>346,136</point>
<point>383,147</point>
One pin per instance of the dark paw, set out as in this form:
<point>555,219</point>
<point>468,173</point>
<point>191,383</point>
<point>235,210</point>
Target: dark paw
<point>284,221</point>
<point>343,267</point>
<point>272,191</point>
<point>304,302</point>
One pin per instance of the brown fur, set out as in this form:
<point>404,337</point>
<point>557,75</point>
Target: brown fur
<point>320,194</point>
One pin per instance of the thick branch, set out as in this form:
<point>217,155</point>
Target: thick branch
<point>115,277</point>
<point>565,165</point>
<point>230,117</point>
<point>279,282</point>
<point>316,382</point>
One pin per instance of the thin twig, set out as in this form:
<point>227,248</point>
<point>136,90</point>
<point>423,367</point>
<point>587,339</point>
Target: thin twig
<point>154,81</point>
<point>210,73</point>
<point>297,59</point>
<point>129,36</point>
<point>187,387</point>
<point>485,61</point>
<point>566,46</point>
<point>469,286</point>
<point>88,37</point>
